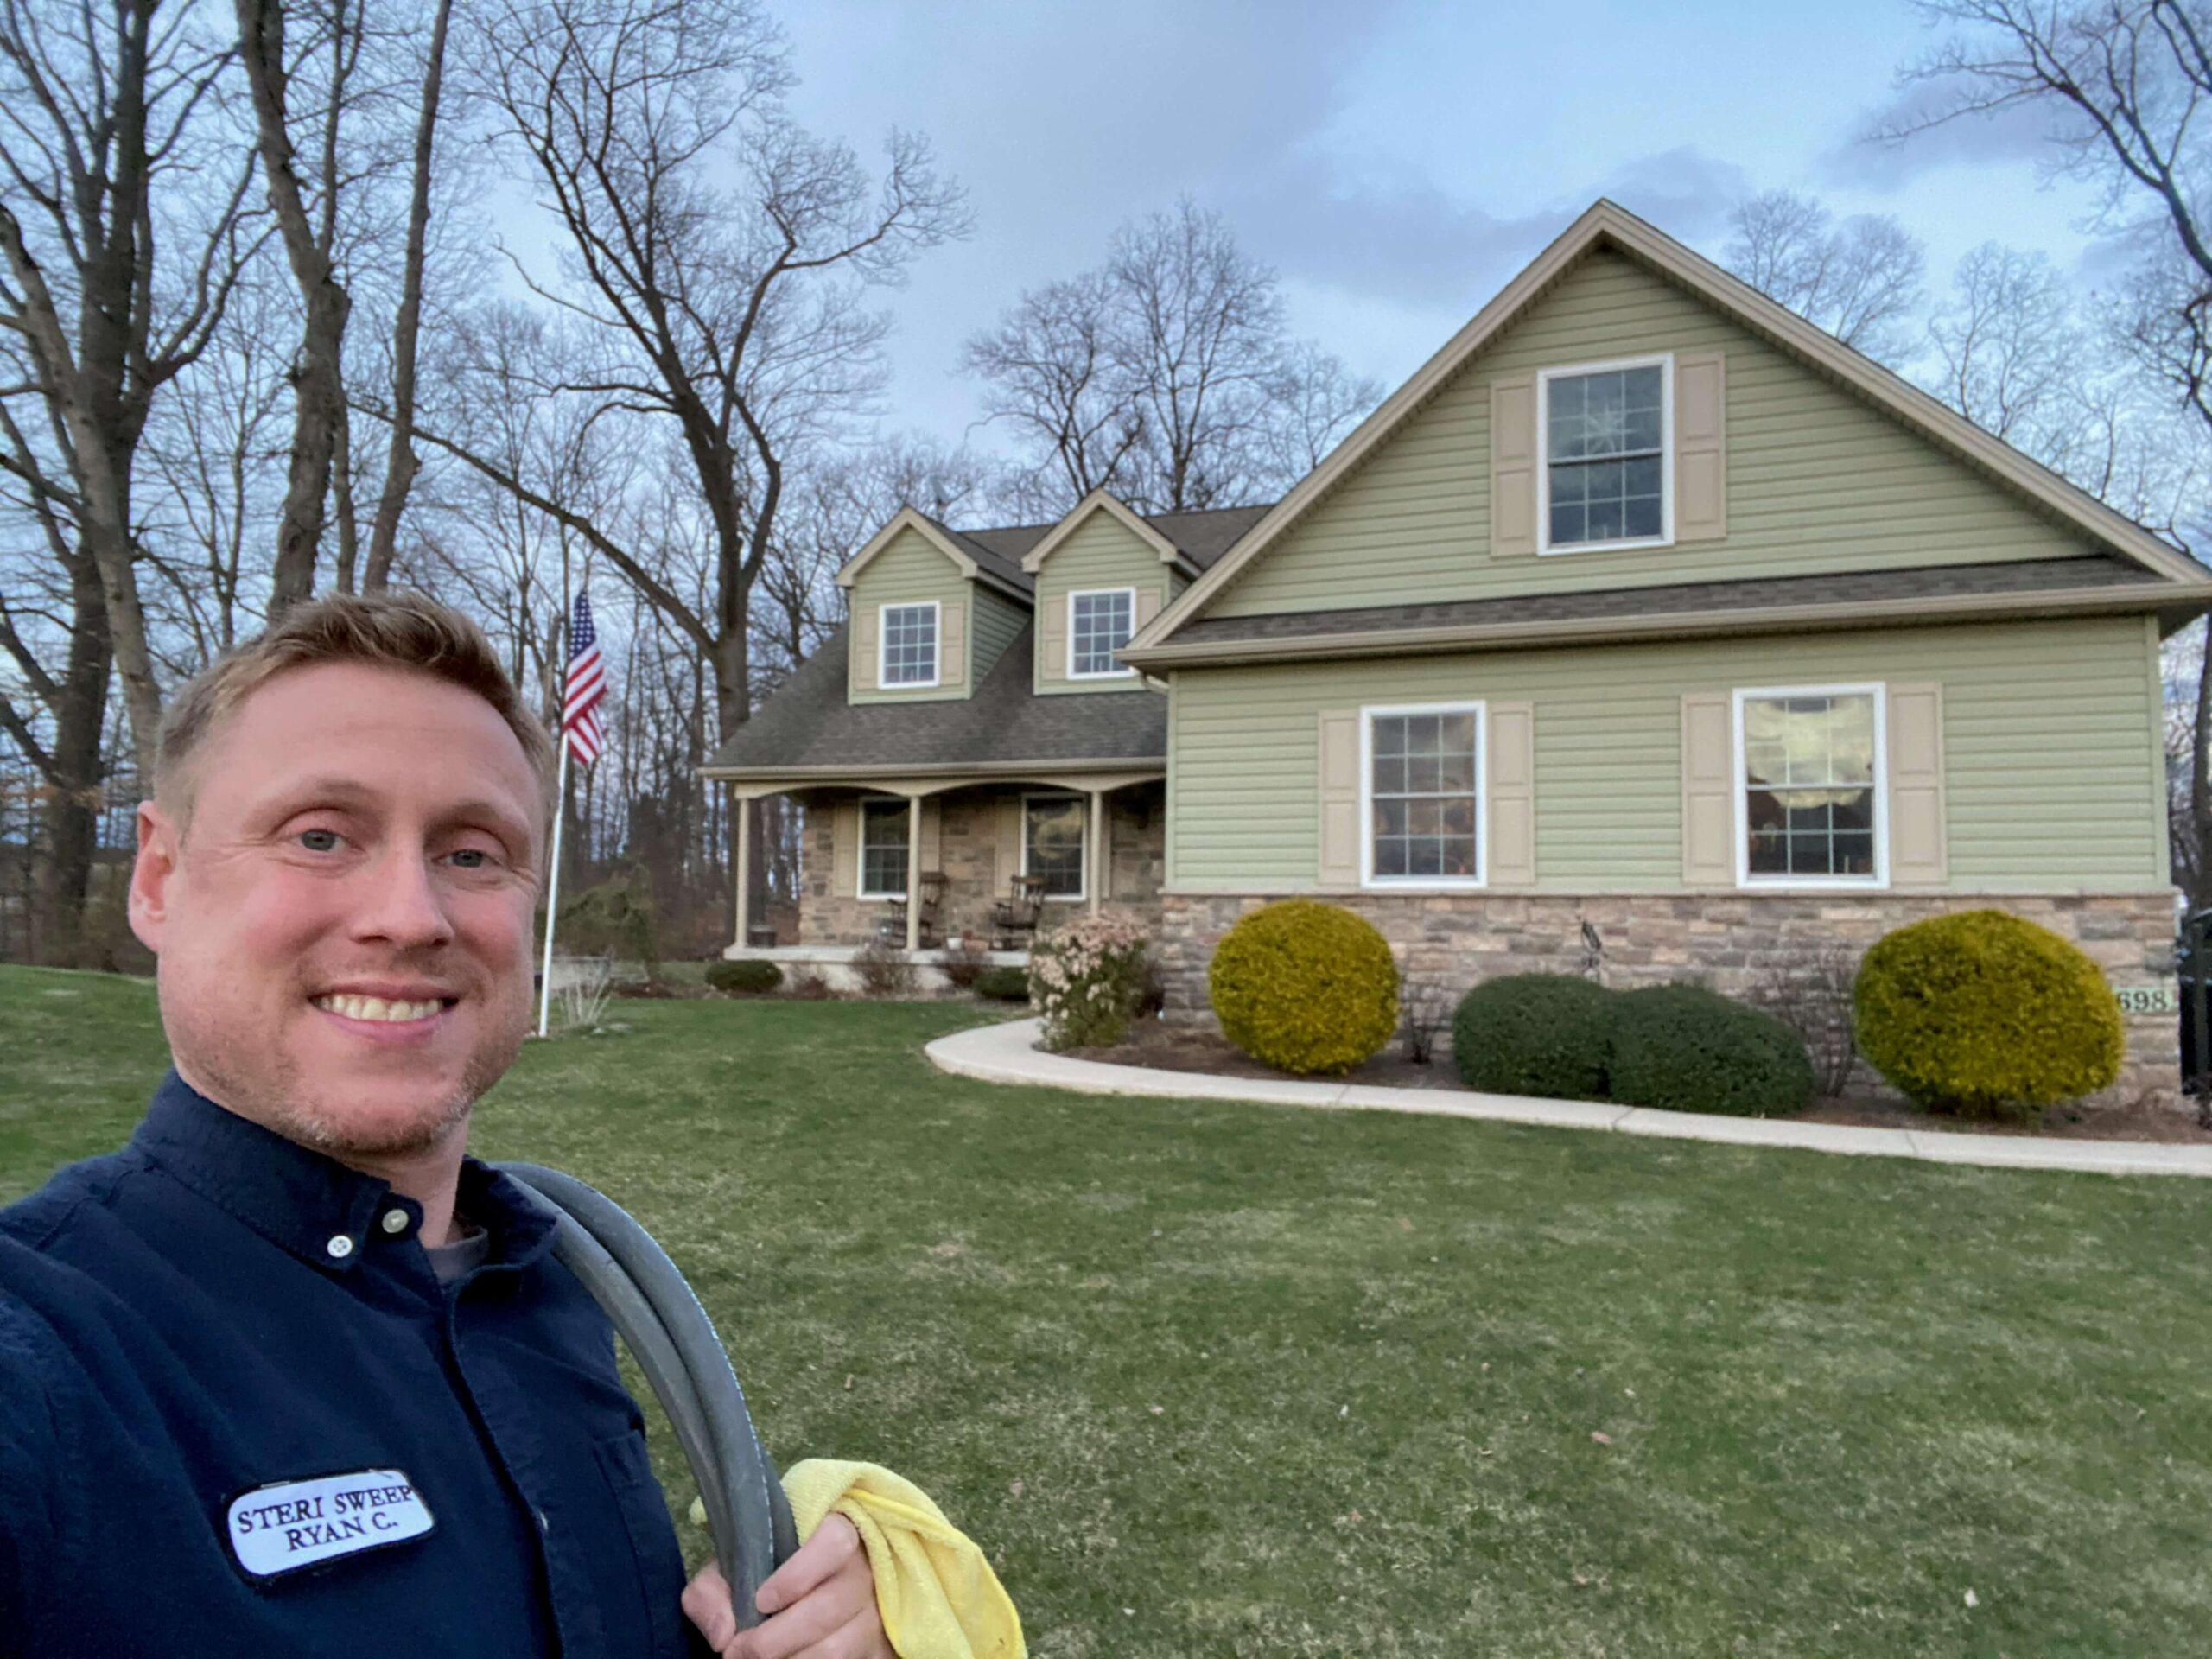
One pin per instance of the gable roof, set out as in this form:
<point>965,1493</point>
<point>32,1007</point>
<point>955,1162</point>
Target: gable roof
<point>806,727</point>
<point>1103,501</point>
<point>975,561</point>
<point>1608,224</point>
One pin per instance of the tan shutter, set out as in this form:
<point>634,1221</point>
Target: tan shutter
<point>952,643</point>
<point>1700,446</point>
<point>933,835</point>
<point>1510,769</point>
<point>1052,639</point>
<point>1708,790</point>
<point>1919,853</point>
<point>1339,784</point>
<point>864,621</point>
<point>1513,466</point>
<point>1148,606</point>
<point>845,849</point>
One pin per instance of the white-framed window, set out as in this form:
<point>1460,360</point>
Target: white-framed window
<point>1812,786</point>
<point>1054,829</point>
<point>1606,455</point>
<point>1420,786</point>
<point>1100,622</point>
<point>884,825</point>
<point>906,644</point>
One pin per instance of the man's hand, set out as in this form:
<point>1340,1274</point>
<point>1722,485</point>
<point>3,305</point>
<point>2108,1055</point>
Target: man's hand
<point>819,1604</point>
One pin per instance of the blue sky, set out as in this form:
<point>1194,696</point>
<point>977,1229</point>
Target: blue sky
<point>1397,162</point>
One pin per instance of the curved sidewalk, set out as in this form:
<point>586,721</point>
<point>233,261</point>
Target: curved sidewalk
<point>1009,1054</point>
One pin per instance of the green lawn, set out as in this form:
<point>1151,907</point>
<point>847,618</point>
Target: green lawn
<point>1236,1380</point>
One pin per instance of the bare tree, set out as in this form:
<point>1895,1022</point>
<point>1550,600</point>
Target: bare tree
<point>113,285</point>
<point>2009,348</point>
<point>2122,84</point>
<point>1859,279</point>
<point>1165,375</point>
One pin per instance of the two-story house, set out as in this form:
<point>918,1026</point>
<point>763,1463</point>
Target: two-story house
<point>1646,621</point>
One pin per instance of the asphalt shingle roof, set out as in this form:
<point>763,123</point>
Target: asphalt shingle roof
<point>1857,586</point>
<point>1204,537</point>
<point>807,723</point>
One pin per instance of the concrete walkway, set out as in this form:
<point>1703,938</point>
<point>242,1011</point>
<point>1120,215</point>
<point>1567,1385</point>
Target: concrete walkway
<point>1009,1054</point>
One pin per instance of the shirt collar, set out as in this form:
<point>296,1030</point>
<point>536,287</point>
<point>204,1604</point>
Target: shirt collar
<point>310,1204</point>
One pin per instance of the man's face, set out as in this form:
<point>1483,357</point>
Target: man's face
<point>344,927</point>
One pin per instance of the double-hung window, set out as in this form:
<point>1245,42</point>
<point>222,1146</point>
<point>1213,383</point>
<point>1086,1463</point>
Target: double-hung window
<point>1422,781</point>
<point>1606,429</point>
<point>1099,625</point>
<point>909,645</point>
<point>1052,843</point>
<point>883,849</point>
<point>1810,765</point>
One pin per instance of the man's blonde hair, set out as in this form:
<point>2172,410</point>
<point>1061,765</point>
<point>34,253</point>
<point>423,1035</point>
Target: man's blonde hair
<point>403,630</point>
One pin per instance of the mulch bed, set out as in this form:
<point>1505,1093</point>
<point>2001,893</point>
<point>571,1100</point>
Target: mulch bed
<point>1209,1052</point>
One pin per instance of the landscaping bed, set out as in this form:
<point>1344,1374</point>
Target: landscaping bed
<point>1169,1048</point>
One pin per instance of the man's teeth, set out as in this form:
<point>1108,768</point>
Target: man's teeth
<point>375,1008</point>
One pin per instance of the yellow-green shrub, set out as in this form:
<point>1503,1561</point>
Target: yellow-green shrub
<point>1307,988</point>
<point>1987,1015</point>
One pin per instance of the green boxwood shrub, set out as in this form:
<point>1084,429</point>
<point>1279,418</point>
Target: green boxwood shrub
<point>1682,1048</point>
<point>1307,988</point>
<point>1545,1034</point>
<point>753,975</point>
<point>1003,984</point>
<point>1987,1014</point>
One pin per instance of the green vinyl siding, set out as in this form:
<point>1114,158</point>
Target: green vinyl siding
<point>1818,480</point>
<point>999,622</point>
<point>2048,726</point>
<point>1101,552</point>
<point>909,571</point>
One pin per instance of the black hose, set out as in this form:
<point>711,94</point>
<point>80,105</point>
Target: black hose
<point>656,1312</point>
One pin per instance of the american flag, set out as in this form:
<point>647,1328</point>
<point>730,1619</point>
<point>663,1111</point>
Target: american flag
<point>587,686</point>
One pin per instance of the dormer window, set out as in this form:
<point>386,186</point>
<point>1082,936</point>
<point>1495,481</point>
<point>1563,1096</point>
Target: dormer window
<point>909,644</point>
<point>1606,431</point>
<point>1099,624</point>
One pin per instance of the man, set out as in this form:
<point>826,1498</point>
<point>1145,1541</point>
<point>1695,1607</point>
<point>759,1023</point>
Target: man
<point>289,1374</point>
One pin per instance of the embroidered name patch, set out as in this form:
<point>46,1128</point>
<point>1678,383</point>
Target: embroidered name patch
<point>298,1523</point>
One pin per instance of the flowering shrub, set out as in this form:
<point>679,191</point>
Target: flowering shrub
<point>1086,977</point>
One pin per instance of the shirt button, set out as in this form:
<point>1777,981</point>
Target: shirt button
<point>395,1221</point>
<point>339,1247</point>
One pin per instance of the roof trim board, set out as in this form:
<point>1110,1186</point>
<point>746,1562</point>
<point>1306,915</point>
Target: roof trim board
<point>1103,501</point>
<point>2193,598</point>
<point>1607,222</point>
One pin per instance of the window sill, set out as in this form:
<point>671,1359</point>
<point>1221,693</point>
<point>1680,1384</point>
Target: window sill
<point>1635,545</point>
<point>1425,884</point>
<point>1814,884</point>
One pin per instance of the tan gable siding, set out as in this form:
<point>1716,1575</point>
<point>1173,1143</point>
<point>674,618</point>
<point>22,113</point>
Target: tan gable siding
<point>1816,479</point>
<point>1101,552</point>
<point>905,572</point>
<point>998,620</point>
<point>2049,783</point>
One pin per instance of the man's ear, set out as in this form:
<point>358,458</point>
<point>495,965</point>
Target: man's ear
<point>151,873</point>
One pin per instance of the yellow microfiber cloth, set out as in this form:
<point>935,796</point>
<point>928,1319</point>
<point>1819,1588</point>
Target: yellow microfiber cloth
<point>938,1595</point>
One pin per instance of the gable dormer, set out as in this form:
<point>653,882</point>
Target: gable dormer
<point>1100,573</point>
<point>929,612</point>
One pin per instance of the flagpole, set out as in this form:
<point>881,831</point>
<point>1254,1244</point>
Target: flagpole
<point>553,888</point>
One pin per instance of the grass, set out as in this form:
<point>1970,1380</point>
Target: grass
<point>1213,1379</point>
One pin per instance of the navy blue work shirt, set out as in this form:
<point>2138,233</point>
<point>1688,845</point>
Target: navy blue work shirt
<point>240,1414</point>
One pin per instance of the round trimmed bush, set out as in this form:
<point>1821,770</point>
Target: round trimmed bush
<point>1546,1034</point>
<point>1986,1015</point>
<point>1003,984</point>
<point>1307,988</point>
<point>1682,1048</point>
<point>752,974</point>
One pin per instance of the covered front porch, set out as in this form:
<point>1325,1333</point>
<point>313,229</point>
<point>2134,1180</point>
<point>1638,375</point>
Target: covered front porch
<point>989,860</point>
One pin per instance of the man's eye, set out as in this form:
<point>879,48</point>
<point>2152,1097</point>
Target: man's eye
<point>488,857</point>
<point>328,843</point>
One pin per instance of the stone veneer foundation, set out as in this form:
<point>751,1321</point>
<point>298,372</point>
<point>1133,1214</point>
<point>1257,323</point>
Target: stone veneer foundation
<point>1727,941</point>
